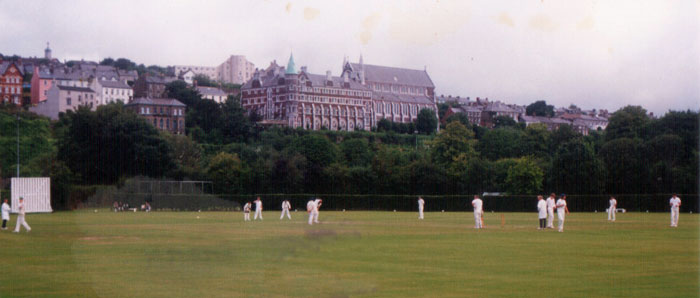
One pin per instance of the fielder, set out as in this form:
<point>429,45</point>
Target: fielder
<point>285,209</point>
<point>258,209</point>
<point>312,209</point>
<point>5,214</point>
<point>318,202</point>
<point>20,217</point>
<point>542,212</point>
<point>478,205</point>
<point>613,209</point>
<point>421,203</point>
<point>246,211</point>
<point>675,203</point>
<point>550,210</point>
<point>562,210</point>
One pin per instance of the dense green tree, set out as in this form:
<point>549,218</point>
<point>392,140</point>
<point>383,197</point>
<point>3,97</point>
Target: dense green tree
<point>628,122</point>
<point>104,146</point>
<point>204,80</point>
<point>535,141</point>
<point>453,141</point>
<point>498,173</point>
<point>576,169</point>
<point>387,165</point>
<point>625,165</point>
<point>525,177</point>
<point>562,135</point>
<point>357,152</point>
<point>317,149</point>
<point>504,121</point>
<point>501,143</point>
<point>540,108</point>
<point>681,123</point>
<point>227,172</point>
<point>235,126</point>
<point>461,118</point>
<point>426,122</point>
<point>319,153</point>
<point>187,156</point>
<point>62,179</point>
<point>35,139</point>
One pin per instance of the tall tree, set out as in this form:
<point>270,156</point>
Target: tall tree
<point>540,108</point>
<point>453,141</point>
<point>576,169</point>
<point>524,177</point>
<point>628,122</point>
<point>501,143</point>
<point>112,143</point>
<point>426,122</point>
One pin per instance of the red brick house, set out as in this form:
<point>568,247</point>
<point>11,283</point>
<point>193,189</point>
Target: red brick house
<point>10,82</point>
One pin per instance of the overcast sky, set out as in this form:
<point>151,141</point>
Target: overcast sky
<point>595,54</point>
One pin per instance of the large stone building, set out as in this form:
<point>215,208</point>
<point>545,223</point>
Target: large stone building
<point>356,100</point>
<point>11,78</point>
<point>164,113</point>
<point>236,70</point>
<point>283,96</point>
<point>398,94</point>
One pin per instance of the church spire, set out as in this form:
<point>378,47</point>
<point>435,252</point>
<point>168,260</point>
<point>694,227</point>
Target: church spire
<point>47,51</point>
<point>291,69</point>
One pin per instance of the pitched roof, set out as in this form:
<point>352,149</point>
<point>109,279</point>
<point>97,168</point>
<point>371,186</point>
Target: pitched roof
<point>499,107</point>
<point>203,90</point>
<point>271,79</point>
<point>114,84</point>
<point>541,119</point>
<point>404,98</point>
<point>320,81</point>
<point>6,64</point>
<point>156,101</point>
<point>395,75</point>
<point>155,79</point>
<point>71,88</point>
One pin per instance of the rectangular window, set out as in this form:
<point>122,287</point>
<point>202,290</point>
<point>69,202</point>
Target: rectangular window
<point>68,101</point>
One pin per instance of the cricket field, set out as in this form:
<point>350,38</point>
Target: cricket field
<point>100,253</point>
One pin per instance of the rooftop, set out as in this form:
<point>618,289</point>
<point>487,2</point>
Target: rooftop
<point>71,88</point>
<point>156,102</point>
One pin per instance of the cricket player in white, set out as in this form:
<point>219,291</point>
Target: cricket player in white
<point>312,209</point>
<point>478,205</point>
<point>550,210</point>
<point>258,209</point>
<point>675,203</point>
<point>612,209</point>
<point>285,209</point>
<point>542,212</point>
<point>421,203</point>
<point>20,217</point>
<point>5,214</point>
<point>246,211</point>
<point>318,203</point>
<point>562,210</point>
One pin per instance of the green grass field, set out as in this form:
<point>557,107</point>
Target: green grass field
<point>350,254</point>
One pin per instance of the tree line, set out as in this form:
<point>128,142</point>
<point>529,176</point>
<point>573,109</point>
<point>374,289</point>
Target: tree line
<point>635,154</point>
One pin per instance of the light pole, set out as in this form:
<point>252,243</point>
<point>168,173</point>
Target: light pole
<point>18,144</point>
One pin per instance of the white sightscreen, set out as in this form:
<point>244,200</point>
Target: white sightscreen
<point>36,193</point>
